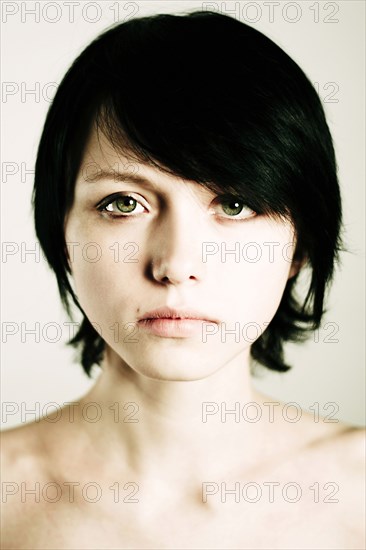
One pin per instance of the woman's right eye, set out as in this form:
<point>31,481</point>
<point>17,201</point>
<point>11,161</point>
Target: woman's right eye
<point>119,206</point>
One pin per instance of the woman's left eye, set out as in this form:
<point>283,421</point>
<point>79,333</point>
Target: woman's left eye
<point>120,206</point>
<point>233,206</point>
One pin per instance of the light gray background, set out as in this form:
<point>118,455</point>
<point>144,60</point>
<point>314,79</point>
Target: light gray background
<point>327,40</point>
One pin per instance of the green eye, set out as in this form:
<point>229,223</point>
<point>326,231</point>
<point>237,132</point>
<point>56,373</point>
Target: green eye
<point>232,207</point>
<point>126,204</point>
<point>121,205</point>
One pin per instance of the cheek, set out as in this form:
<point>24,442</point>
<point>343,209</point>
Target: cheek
<point>256,289</point>
<point>104,275</point>
<point>254,284</point>
<point>98,264</point>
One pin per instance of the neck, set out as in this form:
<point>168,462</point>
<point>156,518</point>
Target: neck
<point>167,427</point>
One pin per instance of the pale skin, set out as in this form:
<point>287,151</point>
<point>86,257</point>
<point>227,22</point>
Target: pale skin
<point>170,454</point>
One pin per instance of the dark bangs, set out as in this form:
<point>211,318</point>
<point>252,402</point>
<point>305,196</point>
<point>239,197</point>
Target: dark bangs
<point>221,105</point>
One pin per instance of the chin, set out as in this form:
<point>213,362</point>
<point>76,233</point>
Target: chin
<point>170,365</point>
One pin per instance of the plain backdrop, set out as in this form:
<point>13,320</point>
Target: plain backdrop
<point>38,44</point>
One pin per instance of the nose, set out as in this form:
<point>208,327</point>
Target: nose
<point>177,250</point>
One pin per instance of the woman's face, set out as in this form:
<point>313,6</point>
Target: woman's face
<point>173,243</point>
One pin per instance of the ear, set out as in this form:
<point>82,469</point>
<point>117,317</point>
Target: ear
<point>296,265</point>
<point>68,260</point>
<point>66,248</point>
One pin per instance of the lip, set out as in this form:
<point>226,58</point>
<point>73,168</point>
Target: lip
<point>174,323</point>
<point>173,328</point>
<point>166,312</point>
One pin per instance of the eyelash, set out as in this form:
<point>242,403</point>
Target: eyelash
<point>108,201</point>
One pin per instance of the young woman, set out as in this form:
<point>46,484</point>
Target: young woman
<point>184,178</point>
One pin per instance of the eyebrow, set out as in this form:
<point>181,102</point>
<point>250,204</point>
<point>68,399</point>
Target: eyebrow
<point>127,176</point>
<point>118,176</point>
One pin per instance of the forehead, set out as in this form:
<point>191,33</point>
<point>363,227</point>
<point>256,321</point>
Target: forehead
<point>101,161</point>
<point>99,153</point>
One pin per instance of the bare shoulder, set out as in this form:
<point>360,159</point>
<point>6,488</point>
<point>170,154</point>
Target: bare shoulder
<point>349,448</point>
<point>349,445</point>
<point>351,442</point>
<point>330,455</point>
<point>339,458</point>
<point>28,467</point>
<point>21,468</point>
<point>347,439</point>
<point>21,459</point>
<point>30,451</point>
<point>19,450</point>
<point>338,442</point>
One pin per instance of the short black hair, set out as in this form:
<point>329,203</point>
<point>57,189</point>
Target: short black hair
<point>208,98</point>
